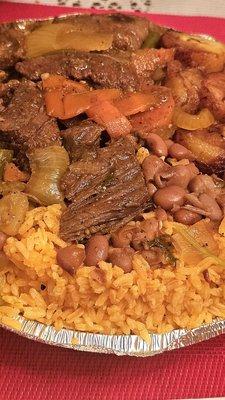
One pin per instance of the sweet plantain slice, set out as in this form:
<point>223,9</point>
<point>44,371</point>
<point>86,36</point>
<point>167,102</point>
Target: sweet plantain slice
<point>207,147</point>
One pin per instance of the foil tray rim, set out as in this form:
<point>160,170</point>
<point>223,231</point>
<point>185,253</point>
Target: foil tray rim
<point>130,345</point>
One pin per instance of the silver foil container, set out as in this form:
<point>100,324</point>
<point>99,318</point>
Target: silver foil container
<point>121,345</point>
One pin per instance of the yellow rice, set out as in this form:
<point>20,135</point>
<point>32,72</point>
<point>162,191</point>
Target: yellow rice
<point>104,299</point>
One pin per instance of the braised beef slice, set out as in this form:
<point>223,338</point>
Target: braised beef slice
<point>80,138</point>
<point>105,70</point>
<point>106,192</point>
<point>11,45</point>
<point>120,69</point>
<point>129,32</point>
<point>24,123</point>
<point>6,91</point>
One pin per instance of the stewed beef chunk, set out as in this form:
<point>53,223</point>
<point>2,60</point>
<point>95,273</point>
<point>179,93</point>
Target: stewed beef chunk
<point>80,138</point>
<point>106,192</point>
<point>128,33</point>
<point>103,69</point>
<point>11,45</point>
<point>6,91</point>
<point>120,69</point>
<point>53,64</point>
<point>24,123</point>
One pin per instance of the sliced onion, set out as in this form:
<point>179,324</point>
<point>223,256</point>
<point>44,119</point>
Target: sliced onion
<point>9,187</point>
<point>48,166</point>
<point>196,242</point>
<point>6,156</point>
<point>192,122</point>
<point>13,208</point>
<point>65,36</point>
<point>152,40</point>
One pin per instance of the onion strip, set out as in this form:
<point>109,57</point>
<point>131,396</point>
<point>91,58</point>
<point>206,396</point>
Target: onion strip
<point>183,231</point>
<point>191,122</point>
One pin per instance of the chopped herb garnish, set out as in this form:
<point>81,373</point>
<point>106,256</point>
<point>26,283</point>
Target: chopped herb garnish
<point>163,242</point>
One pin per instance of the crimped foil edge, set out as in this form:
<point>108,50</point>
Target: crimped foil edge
<point>130,345</point>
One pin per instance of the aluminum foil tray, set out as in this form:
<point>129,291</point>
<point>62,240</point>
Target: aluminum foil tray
<point>120,345</point>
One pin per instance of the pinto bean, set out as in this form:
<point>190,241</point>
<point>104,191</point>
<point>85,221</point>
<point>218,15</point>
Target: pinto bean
<point>182,174</point>
<point>144,233</point>
<point>193,199</point>
<point>3,238</point>
<point>122,258</point>
<point>151,165</point>
<point>169,196</point>
<point>70,258</point>
<point>203,184</point>
<point>193,170</point>
<point>157,144</point>
<point>123,236</point>
<point>180,152</point>
<point>210,205</point>
<point>97,249</point>
<point>221,200</point>
<point>161,214</point>
<point>153,257</point>
<point>179,175</point>
<point>186,217</point>
<point>151,188</point>
<point>169,143</point>
<point>150,227</point>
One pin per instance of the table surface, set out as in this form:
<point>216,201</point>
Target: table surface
<point>34,371</point>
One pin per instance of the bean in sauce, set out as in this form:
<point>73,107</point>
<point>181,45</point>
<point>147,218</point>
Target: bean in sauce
<point>122,258</point>
<point>97,249</point>
<point>181,175</point>
<point>123,236</point>
<point>186,217</point>
<point>203,184</point>
<point>180,152</point>
<point>169,196</point>
<point>210,205</point>
<point>153,257</point>
<point>70,258</point>
<point>157,145</point>
<point>3,238</point>
<point>151,189</point>
<point>152,165</point>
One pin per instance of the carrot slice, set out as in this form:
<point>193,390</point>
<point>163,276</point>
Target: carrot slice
<point>75,104</point>
<point>134,103</point>
<point>156,117</point>
<point>77,87</point>
<point>54,103</point>
<point>105,94</point>
<point>13,174</point>
<point>53,82</point>
<point>58,82</point>
<point>107,115</point>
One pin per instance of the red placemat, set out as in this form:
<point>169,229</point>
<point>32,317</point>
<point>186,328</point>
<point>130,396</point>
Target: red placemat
<point>34,371</point>
<point>30,370</point>
<point>211,26</point>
